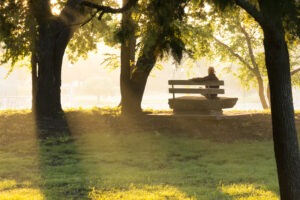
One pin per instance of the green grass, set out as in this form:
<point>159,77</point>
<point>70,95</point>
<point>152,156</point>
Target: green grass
<point>196,168</point>
<point>100,161</point>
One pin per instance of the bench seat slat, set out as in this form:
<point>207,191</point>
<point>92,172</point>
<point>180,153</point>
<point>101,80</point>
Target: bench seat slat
<point>197,90</point>
<point>190,82</point>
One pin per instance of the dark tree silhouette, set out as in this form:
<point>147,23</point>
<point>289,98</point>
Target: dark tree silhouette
<point>276,18</point>
<point>128,48</point>
<point>54,34</point>
<point>161,36</point>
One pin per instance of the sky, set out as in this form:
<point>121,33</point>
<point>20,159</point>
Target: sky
<point>88,84</point>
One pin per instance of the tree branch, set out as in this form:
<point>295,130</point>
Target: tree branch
<point>234,54</point>
<point>250,49</point>
<point>89,19</point>
<point>252,10</point>
<point>107,9</point>
<point>295,71</point>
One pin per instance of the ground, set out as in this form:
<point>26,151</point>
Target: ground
<point>98,154</point>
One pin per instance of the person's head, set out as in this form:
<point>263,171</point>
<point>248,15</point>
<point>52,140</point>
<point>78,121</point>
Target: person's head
<point>211,70</point>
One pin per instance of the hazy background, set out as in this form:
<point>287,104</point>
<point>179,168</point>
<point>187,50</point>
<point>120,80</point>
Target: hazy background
<point>88,84</point>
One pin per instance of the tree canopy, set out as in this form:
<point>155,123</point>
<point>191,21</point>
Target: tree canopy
<point>235,37</point>
<point>15,35</point>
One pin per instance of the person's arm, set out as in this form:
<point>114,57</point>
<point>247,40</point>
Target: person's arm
<point>200,79</point>
<point>196,79</point>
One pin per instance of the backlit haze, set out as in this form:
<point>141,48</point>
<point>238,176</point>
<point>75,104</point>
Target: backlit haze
<point>88,84</point>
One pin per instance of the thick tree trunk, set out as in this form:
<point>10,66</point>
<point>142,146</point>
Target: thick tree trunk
<point>127,58</point>
<point>127,96</point>
<point>261,93</point>
<point>53,35</point>
<point>140,76</point>
<point>284,130</point>
<point>286,146</point>
<point>53,39</point>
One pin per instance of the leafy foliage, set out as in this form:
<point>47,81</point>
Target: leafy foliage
<point>223,35</point>
<point>15,36</point>
<point>90,34</point>
<point>111,61</point>
<point>157,29</point>
<point>163,29</point>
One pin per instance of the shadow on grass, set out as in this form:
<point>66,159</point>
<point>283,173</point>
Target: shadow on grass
<point>133,157</point>
<point>150,152</point>
<point>138,164</point>
<point>61,171</point>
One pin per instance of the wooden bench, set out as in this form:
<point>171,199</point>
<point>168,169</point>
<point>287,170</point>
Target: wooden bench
<point>198,104</point>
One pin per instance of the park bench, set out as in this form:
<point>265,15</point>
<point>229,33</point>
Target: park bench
<point>198,104</point>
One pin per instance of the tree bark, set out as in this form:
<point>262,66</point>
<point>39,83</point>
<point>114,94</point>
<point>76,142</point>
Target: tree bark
<point>53,39</point>
<point>54,33</point>
<point>139,78</point>
<point>286,145</point>
<point>132,99</point>
<point>127,58</point>
<point>284,131</point>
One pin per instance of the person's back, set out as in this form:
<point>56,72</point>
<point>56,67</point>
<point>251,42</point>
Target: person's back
<point>210,77</point>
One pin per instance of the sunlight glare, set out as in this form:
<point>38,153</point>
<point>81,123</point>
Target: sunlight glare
<point>141,193</point>
<point>207,7</point>
<point>54,7</point>
<point>119,2</point>
<point>248,192</point>
<point>10,189</point>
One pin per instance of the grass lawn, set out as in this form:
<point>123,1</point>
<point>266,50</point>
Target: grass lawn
<point>105,156</point>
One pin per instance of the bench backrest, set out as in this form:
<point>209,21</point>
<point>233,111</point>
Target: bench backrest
<point>184,90</point>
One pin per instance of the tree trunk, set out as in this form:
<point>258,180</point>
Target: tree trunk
<point>33,61</point>
<point>33,81</point>
<point>261,93</point>
<point>283,121</point>
<point>53,35</point>
<point>140,76</point>
<point>286,146</point>
<point>53,39</point>
<point>127,58</point>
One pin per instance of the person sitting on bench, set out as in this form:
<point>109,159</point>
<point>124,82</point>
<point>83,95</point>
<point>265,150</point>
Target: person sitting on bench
<point>210,77</point>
